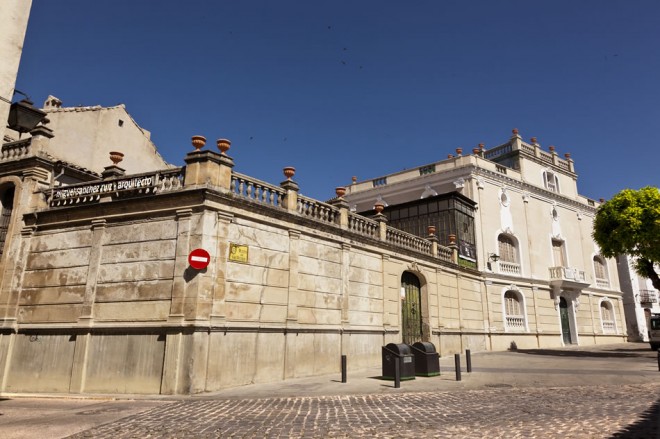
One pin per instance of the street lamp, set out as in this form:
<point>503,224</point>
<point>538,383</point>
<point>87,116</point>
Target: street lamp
<point>24,116</point>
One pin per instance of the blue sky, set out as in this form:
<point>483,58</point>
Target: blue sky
<point>366,88</point>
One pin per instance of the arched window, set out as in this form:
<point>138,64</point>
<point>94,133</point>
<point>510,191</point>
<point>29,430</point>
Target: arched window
<point>508,254</point>
<point>514,311</point>
<point>550,181</point>
<point>7,202</point>
<point>607,316</point>
<point>600,272</point>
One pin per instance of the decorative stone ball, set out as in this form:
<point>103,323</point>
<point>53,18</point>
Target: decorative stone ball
<point>223,145</point>
<point>198,142</point>
<point>289,172</point>
<point>116,157</point>
<point>340,191</point>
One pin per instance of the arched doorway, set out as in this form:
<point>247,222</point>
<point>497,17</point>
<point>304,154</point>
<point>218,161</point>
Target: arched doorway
<point>411,308</point>
<point>565,322</point>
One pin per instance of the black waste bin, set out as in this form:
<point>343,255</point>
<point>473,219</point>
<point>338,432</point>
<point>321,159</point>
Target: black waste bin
<point>427,360</point>
<point>398,352</point>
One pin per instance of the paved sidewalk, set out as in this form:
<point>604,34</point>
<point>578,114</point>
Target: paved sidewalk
<point>593,392</point>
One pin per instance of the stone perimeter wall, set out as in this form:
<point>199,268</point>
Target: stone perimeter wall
<point>108,304</point>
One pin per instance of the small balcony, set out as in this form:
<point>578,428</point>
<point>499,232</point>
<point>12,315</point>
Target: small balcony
<point>602,283</point>
<point>509,268</point>
<point>568,278</point>
<point>648,296</point>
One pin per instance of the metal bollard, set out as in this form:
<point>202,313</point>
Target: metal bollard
<point>468,360</point>
<point>343,368</point>
<point>397,372</point>
<point>457,365</point>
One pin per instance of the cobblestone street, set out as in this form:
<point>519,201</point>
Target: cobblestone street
<point>630,411</point>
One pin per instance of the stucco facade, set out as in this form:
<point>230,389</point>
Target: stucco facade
<point>533,239</point>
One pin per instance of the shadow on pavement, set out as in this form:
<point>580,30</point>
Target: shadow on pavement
<point>648,426</point>
<point>619,353</point>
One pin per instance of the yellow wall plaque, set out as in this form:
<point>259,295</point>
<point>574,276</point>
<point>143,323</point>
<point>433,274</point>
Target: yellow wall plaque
<point>238,253</point>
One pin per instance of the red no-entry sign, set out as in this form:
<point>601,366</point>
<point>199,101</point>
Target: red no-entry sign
<point>199,258</point>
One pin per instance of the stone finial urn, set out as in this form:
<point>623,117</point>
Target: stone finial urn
<point>452,239</point>
<point>379,207</point>
<point>431,230</point>
<point>567,155</point>
<point>198,142</point>
<point>482,146</point>
<point>289,172</point>
<point>116,157</point>
<point>515,131</point>
<point>475,151</point>
<point>533,140</point>
<point>459,151</point>
<point>551,148</point>
<point>354,179</point>
<point>450,156</point>
<point>223,145</point>
<point>340,191</point>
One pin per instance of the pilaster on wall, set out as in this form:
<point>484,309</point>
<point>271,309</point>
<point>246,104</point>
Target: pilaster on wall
<point>87,311</point>
<point>180,264</point>
<point>345,283</point>
<point>218,311</point>
<point>292,306</point>
<point>198,293</point>
<point>14,263</point>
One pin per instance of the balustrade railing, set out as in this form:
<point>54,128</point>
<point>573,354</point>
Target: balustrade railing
<point>515,322</point>
<point>608,326</point>
<point>602,283</point>
<point>122,187</point>
<point>15,150</point>
<point>254,190</point>
<point>567,273</point>
<point>363,226</point>
<point>408,240</point>
<point>648,296</point>
<point>317,210</point>
<point>509,267</point>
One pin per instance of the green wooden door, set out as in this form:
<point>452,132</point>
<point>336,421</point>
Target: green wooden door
<point>411,308</point>
<point>565,325</point>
